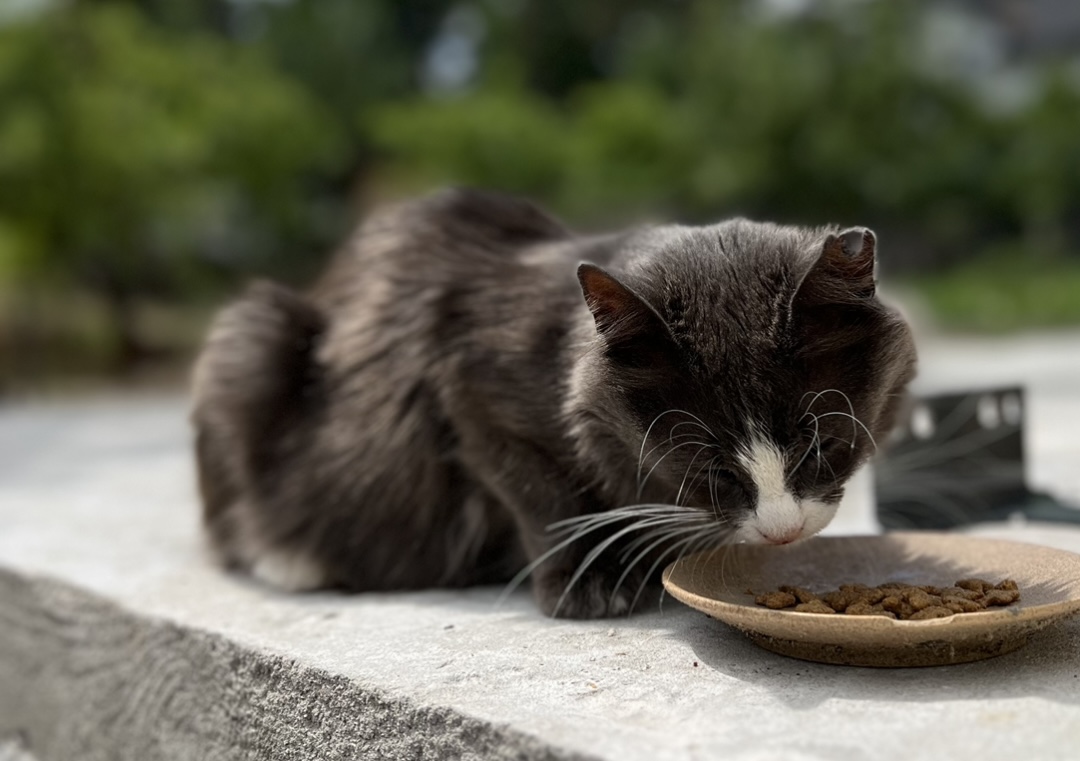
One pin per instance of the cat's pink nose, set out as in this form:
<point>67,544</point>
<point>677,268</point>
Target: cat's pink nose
<point>786,537</point>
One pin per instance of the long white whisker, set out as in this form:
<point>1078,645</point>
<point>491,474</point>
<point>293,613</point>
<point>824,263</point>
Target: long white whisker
<point>620,513</point>
<point>810,446</point>
<point>644,481</point>
<point>855,421</point>
<point>708,533</point>
<point>696,520</point>
<point>605,519</point>
<point>595,552</point>
<point>666,536</point>
<point>648,432</point>
<point>669,442</point>
<point>689,422</point>
<point>697,454</point>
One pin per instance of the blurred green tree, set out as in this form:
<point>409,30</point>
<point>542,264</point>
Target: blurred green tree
<point>1037,177</point>
<point>130,156</point>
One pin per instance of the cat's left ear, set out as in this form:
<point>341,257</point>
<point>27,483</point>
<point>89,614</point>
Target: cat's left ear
<point>631,328</point>
<point>846,270</point>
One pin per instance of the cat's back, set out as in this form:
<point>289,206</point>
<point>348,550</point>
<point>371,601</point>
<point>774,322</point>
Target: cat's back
<point>445,238</point>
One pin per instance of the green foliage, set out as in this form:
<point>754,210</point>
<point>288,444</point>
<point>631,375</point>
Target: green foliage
<point>506,139</point>
<point>1004,290</point>
<point>119,141</point>
<point>713,112</point>
<point>156,146</point>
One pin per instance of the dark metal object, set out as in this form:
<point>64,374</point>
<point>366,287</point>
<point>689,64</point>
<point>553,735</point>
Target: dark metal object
<point>958,459</point>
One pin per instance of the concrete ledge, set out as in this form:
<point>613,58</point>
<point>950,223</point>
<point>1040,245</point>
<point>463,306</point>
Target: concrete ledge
<point>118,640</point>
<point>84,679</point>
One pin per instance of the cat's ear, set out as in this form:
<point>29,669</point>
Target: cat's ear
<point>631,328</point>
<point>846,268</point>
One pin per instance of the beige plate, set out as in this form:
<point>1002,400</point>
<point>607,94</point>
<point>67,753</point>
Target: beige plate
<point>721,584</point>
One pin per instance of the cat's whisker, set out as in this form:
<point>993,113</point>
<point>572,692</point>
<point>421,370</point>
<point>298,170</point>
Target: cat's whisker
<point>693,423</point>
<point>648,432</point>
<point>658,446</point>
<point>712,493</point>
<point>828,465</point>
<point>591,523</point>
<point>703,472</point>
<point>625,510</point>
<point>600,519</point>
<point>723,564</point>
<point>645,439</point>
<point>656,563</point>
<point>699,421</point>
<point>689,467</point>
<point>667,536</point>
<point>815,442</point>
<point>855,421</point>
<point>711,534</point>
<point>634,546</point>
<point>717,512</point>
<point>641,486</point>
<point>699,518</point>
<point>595,553</point>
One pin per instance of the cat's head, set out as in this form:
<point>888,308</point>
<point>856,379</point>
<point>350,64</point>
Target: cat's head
<point>746,369</point>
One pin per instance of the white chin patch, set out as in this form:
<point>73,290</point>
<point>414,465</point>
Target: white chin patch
<point>779,517</point>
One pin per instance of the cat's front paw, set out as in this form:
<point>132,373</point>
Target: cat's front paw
<point>593,595</point>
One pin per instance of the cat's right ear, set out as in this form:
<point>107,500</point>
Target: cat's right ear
<point>845,272</point>
<point>851,255</point>
<point>634,333</point>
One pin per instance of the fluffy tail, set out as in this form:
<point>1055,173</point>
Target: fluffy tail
<point>253,377</point>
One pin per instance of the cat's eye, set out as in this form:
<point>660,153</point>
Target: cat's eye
<point>834,446</point>
<point>723,474</point>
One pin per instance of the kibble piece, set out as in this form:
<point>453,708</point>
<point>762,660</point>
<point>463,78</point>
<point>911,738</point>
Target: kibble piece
<point>866,609</point>
<point>776,600</point>
<point>874,596</point>
<point>801,594</point>
<point>854,588</point>
<point>843,597</point>
<point>934,611</point>
<point>968,594</point>
<point>837,600</point>
<point>962,605</point>
<point>897,600</point>
<point>898,605</point>
<point>920,599</point>
<point>1001,596</point>
<point>893,586</point>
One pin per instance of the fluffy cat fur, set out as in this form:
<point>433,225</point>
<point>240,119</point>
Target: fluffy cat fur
<point>467,372</point>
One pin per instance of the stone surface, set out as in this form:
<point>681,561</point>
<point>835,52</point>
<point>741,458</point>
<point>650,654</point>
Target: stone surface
<point>118,639</point>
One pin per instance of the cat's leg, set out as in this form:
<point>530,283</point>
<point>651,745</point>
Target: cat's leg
<point>534,488</point>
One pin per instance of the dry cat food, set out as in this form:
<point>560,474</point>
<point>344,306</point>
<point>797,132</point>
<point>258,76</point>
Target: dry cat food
<point>896,600</point>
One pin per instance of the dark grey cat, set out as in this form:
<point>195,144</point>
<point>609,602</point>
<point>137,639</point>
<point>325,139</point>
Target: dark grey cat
<point>468,372</point>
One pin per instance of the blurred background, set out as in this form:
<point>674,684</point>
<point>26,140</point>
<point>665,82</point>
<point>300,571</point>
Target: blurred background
<point>154,154</point>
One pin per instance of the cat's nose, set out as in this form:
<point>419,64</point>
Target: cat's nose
<point>785,537</point>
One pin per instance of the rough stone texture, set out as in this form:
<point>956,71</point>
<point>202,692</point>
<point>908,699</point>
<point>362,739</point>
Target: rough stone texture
<point>119,640</point>
<point>14,749</point>
<point>102,683</point>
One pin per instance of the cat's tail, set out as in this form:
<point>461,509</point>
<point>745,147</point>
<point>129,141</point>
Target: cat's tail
<point>256,373</point>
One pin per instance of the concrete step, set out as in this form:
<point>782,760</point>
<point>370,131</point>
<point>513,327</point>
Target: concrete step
<point>119,640</point>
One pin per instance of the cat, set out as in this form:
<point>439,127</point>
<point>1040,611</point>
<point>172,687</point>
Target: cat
<point>467,373</point>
